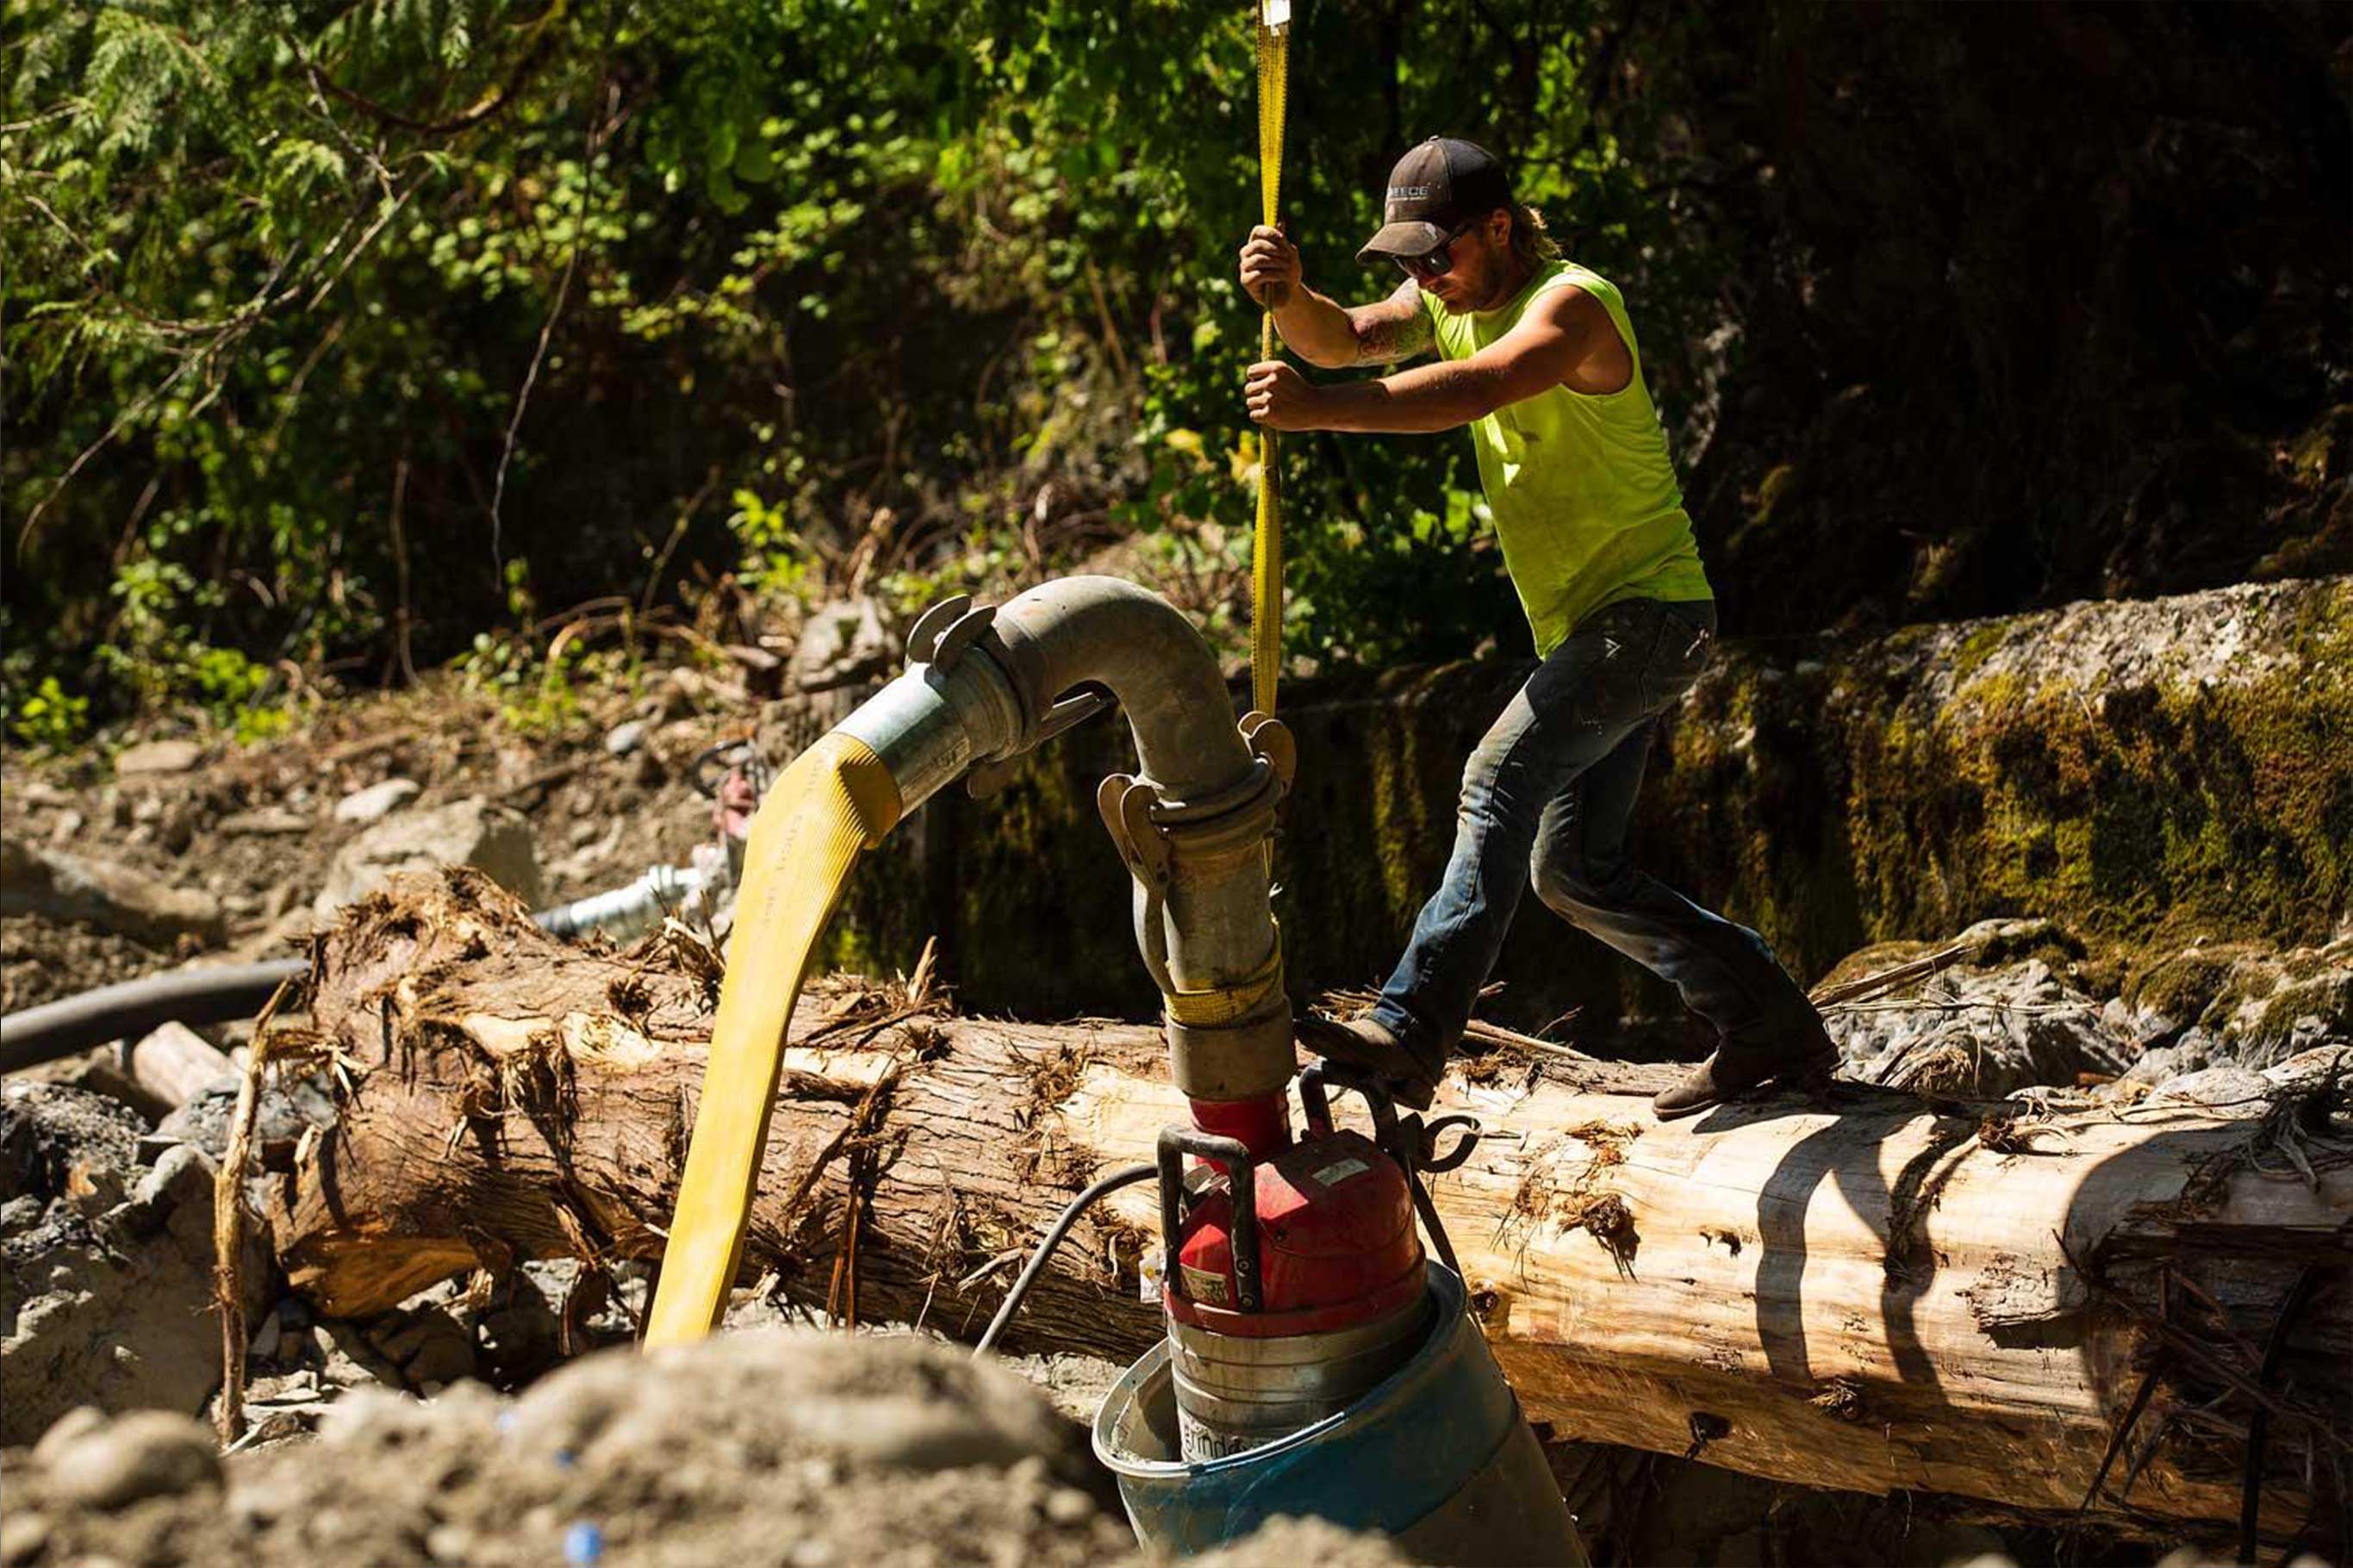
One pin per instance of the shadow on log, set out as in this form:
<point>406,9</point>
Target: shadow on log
<point>2033,1306</point>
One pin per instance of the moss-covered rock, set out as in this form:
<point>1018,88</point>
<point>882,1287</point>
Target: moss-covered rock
<point>2149,773</point>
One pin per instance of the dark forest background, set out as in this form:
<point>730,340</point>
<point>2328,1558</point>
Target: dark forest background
<point>347,339</point>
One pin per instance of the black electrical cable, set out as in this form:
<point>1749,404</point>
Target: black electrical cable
<point>1127,1177</point>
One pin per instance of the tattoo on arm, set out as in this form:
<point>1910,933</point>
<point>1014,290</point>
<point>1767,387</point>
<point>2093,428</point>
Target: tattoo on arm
<point>1398,328</point>
<point>1386,334</point>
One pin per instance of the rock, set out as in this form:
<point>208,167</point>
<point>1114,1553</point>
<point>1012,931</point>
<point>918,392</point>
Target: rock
<point>449,1543</point>
<point>2160,1062</point>
<point>2278,1005</point>
<point>429,1346</point>
<point>107,1301</point>
<point>23,1537</point>
<point>49,1133</point>
<point>286,1111</point>
<point>842,645</point>
<point>622,739</point>
<point>175,1064</point>
<point>270,822</point>
<point>473,832</point>
<point>2324,1066</point>
<point>113,898</point>
<point>346,1358</point>
<point>1981,1032</point>
<point>2244,1002</point>
<point>263,1346</point>
<point>2233,1089</point>
<point>67,1430</point>
<point>378,801</point>
<point>180,1179</point>
<point>157,757</point>
<point>67,824</point>
<point>518,1337</point>
<point>146,1454</point>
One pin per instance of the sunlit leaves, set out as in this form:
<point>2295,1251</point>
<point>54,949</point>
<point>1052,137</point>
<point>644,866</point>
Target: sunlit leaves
<point>840,262</point>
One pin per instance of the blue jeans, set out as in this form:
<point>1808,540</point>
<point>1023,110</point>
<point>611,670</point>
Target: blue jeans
<point>1546,798</point>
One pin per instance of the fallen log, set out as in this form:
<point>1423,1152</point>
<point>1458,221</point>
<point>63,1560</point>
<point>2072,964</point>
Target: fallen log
<point>1876,1292</point>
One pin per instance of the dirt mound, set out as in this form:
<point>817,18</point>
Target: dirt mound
<point>781,1447</point>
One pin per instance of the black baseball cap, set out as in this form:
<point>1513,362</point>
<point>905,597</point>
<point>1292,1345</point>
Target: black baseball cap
<point>1434,191</point>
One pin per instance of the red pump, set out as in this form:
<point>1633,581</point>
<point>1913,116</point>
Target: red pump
<point>1296,1280</point>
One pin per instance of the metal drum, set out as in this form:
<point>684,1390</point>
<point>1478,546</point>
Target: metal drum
<point>1437,1456</point>
<point>1235,1393</point>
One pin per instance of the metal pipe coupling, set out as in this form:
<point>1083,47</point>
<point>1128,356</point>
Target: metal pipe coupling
<point>1203,921</point>
<point>948,713</point>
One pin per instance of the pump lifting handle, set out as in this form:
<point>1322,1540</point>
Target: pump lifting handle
<point>1242,1180</point>
<point>1407,1139</point>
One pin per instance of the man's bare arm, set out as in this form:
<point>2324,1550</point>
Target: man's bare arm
<point>1316,329</point>
<point>1396,328</point>
<point>1319,328</point>
<point>1556,336</point>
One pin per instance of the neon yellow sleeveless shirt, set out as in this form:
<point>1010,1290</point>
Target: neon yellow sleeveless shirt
<point>1581,488</point>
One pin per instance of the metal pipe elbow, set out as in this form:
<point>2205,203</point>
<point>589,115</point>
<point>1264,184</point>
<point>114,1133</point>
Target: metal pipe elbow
<point>1083,631</point>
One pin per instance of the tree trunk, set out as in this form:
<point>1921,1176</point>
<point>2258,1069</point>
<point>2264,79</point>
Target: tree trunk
<point>1873,1294</point>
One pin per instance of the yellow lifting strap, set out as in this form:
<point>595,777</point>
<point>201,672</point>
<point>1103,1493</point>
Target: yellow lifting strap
<point>1226,1006</point>
<point>1274,18</point>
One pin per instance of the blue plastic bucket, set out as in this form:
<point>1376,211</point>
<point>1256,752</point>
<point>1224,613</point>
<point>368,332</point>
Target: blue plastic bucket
<point>1437,1456</point>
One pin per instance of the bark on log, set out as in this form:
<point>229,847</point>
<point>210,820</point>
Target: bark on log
<point>1874,1293</point>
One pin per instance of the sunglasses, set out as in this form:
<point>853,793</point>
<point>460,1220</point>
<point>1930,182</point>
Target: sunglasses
<point>1433,263</point>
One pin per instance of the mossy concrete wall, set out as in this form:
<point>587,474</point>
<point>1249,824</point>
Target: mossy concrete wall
<point>2146,772</point>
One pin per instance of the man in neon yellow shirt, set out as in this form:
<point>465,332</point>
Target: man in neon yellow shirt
<point>1538,357</point>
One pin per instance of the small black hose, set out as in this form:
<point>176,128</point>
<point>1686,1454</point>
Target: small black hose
<point>213,995</point>
<point>1127,1177</point>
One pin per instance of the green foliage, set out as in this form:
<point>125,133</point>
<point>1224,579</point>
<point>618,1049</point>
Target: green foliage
<point>773,561</point>
<point>51,717</point>
<point>539,696</point>
<point>803,294</point>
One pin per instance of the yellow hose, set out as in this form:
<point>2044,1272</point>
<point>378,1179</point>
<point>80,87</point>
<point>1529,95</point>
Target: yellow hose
<point>1266,555</point>
<point>834,803</point>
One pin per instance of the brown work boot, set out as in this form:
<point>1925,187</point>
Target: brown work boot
<point>1731,1071</point>
<point>1408,1075</point>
